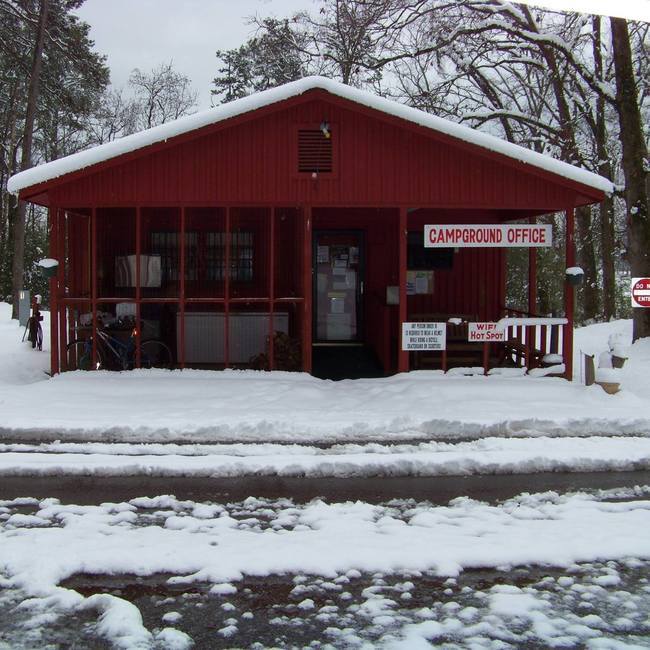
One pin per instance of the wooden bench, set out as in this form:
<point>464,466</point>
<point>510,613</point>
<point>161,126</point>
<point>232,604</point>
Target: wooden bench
<point>528,345</point>
<point>531,357</point>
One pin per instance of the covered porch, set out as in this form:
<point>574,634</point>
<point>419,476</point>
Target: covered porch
<point>278,288</point>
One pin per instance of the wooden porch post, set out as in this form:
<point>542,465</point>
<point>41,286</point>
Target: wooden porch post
<point>93,292</point>
<point>307,290</point>
<point>226,295</point>
<point>62,309</point>
<point>54,282</point>
<point>402,355</point>
<point>567,338</point>
<point>532,299</point>
<point>271,288</point>
<point>138,288</point>
<point>181,292</point>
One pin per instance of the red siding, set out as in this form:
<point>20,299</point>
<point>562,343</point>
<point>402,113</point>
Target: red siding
<point>380,163</point>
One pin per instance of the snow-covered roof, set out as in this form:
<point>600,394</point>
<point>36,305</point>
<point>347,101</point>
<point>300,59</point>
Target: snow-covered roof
<point>101,153</point>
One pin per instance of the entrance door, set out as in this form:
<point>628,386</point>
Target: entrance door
<point>338,286</point>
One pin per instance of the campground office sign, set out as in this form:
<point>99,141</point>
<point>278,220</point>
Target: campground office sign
<point>488,236</point>
<point>432,336</point>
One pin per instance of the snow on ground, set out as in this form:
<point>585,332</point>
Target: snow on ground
<point>487,456</point>
<point>360,574</point>
<point>250,406</point>
<point>43,543</point>
<point>19,364</point>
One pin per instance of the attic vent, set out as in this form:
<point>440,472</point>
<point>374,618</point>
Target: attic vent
<point>314,151</point>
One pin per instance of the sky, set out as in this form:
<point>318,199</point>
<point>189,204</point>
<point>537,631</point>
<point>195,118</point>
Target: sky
<point>145,33</point>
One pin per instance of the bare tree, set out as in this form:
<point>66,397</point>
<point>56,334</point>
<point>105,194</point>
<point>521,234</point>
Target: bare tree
<point>635,164</point>
<point>117,115</point>
<point>162,94</point>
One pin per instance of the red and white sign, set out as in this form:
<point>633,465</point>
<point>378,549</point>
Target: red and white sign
<point>486,333</point>
<point>640,292</point>
<point>488,236</point>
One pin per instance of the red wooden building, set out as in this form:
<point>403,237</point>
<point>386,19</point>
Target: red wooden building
<point>295,215</point>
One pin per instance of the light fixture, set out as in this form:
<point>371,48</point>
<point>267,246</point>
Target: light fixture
<point>325,128</point>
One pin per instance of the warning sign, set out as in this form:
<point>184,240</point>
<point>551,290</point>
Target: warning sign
<point>485,333</point>
<point>640,292</point>
<point>424,336</point>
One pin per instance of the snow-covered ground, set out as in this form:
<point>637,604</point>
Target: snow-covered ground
<point>536,570</point>
<point>332,548</point>
<point>486,456</point>
<point>250,406</point>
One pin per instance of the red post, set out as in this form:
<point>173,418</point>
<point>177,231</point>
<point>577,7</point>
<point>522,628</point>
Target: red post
<point>226,294</point>
<point>93,295</point>
<point>532,276</point>
<point>181,347</point>
<point>61,307</point>
<point>402,355</point>
<point>54,305</point>
<point>138,288</point>
<point>532,300</point>
<point>567,338</point>
<point>307,289</point>
<point>271,288</point>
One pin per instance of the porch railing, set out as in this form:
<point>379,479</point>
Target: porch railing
<point>534,340</point>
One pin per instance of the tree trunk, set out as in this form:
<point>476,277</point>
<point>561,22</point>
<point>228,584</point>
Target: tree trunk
<point>18,267</point>
<point>587,261</point>
<point>604,169</point>
<point>635,155</point>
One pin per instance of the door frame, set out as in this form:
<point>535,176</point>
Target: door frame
<point>361,285</point>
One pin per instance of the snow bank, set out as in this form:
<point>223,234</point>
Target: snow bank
<point>488,456</point>
<point>251,406</point>
<point>164,132</point>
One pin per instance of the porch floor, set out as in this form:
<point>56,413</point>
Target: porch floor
<point>338,362</point>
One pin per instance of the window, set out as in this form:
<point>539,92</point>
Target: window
<point>209,249</point>
<point>420,258</point>
<point>165,244</point>
<point>315,151</point>
<point>241,256</point>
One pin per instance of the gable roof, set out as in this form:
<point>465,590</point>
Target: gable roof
<point>130,143</point>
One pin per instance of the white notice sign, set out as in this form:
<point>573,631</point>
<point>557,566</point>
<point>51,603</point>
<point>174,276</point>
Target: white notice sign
<point>424,336</point>
<point>485,333</point>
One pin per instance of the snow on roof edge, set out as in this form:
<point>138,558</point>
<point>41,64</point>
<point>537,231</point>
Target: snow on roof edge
<point>81,160</point>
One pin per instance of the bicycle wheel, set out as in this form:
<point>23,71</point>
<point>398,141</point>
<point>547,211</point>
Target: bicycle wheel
<point>155,354</point>
<point>80,356</point>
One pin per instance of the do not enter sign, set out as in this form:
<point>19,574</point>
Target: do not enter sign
<point>640,292</point>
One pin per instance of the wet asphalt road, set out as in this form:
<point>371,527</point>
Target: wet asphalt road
<point>267,611</point>
<point>437,490</point>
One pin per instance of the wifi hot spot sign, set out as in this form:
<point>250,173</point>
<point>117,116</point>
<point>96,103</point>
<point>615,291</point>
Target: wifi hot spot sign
<point>640,292</point>
<point>485,332</point>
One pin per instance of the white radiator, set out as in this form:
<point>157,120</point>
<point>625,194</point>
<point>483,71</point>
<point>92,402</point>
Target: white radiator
<point>204,335</point>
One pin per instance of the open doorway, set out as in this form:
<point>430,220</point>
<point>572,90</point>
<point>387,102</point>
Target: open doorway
<point>340,350</point>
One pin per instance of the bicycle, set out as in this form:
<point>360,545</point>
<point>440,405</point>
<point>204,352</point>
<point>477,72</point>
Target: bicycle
<point>115,354</point>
